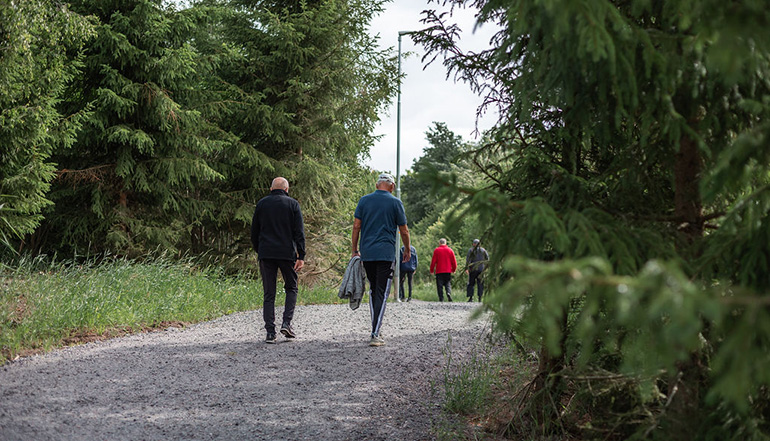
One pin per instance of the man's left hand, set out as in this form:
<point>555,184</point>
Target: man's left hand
<point>298,265</point>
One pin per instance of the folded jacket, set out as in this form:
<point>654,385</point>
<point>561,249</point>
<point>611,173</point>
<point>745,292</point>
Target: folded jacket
<point>353,281</point>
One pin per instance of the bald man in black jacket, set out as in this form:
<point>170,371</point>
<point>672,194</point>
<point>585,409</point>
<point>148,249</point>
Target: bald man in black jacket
<point>278,237</point>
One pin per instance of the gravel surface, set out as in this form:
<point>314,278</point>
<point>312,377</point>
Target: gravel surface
<point>219,380</point>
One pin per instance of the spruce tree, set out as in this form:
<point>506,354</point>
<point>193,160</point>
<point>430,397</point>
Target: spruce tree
<point>299,85</point>
<point>627,198</point>
<point>39,43</point>
<point>129,182</point>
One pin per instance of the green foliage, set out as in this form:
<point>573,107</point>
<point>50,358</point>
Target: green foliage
<point>127,184</point>
<point>440,155</point>
<point>39,43</point>
<point>431,214</point>
<point>632,156</point>
<point>466,383</point>
<point>641,326</point>
<point>298,85</point>
<point>183,117</point>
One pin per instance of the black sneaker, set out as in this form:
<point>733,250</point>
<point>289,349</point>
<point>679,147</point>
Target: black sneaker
<point>270,338</point>
<point>287,331</point>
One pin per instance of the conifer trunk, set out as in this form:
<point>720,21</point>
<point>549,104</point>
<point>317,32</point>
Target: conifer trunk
<point>687,201</point>
<point>686,384</point>
<point>549,385</point>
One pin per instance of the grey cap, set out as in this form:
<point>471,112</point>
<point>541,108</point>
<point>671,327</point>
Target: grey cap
<point>386,177</point>
<point>475,241</point>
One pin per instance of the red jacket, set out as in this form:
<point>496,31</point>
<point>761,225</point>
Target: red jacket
<point>443,260</point>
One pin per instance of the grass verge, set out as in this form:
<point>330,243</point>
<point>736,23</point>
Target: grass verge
<point>480,392</point>
<point>427,291</point>
<point>46,304</point>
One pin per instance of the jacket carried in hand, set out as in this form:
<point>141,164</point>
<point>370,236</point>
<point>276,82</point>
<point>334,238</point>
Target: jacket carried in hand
<point>353,281</point>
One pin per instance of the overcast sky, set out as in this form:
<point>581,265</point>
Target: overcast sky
<point>426,95</point>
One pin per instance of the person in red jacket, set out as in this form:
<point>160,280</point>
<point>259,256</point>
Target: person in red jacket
<point>443,264</point>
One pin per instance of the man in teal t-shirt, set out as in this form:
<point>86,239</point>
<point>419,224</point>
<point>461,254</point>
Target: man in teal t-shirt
<point>378,216</point>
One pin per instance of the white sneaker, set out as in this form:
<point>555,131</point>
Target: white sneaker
<point>376,341</point>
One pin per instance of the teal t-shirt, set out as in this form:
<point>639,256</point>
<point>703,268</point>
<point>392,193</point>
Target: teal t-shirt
<point>381,214</point>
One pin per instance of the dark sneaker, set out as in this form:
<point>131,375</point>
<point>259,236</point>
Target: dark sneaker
<point>288,332</point>
<point>376,341</point>
<point>270,338</point>
<point>409,299</point>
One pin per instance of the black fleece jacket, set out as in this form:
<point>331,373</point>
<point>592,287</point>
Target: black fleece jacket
<point>277,230</point>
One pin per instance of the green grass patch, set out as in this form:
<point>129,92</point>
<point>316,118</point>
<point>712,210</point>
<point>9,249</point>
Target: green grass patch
<point>427,291</point>
<point>481,391</point>
<point>467,383</point>
<point>46,304</point>
<point>49,304</point>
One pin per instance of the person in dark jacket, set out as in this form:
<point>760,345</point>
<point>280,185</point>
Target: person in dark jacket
<point>278,237</point>
<point>406,271</point>
<point>475,263</point>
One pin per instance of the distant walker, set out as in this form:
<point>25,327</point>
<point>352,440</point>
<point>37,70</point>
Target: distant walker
<point>407,269</point>
<point>475,263</point>
<point>443,264</point>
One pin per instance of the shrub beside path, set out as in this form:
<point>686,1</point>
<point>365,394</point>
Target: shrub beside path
<point>218,380</point>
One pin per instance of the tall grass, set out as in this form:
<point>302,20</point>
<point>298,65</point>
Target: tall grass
<point>465,389</point>
<point>479,391</point>
<point>467,383</point>
<point>45,303</point>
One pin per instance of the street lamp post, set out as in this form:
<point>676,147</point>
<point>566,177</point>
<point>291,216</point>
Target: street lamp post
<point>396,271</point>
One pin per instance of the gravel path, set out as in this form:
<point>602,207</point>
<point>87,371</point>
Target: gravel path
<point>219,380</point>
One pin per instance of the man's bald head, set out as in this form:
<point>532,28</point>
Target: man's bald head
<point>280,183</point>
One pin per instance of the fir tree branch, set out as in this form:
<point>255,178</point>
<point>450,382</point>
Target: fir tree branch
<point>90,174</point>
